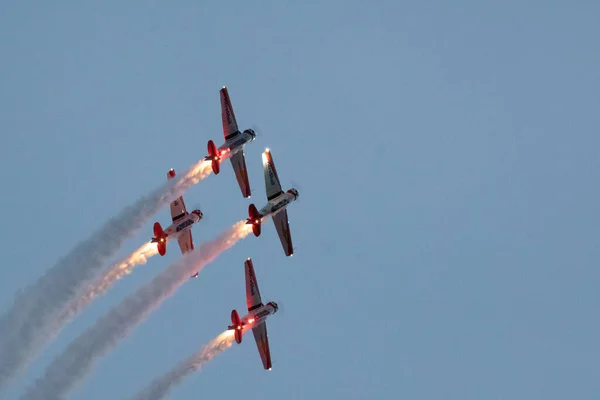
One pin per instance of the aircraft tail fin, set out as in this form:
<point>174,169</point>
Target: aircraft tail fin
<point>160,238</point>
<point>255,218</point>
<point>236,326</point>
<point>214,157</point>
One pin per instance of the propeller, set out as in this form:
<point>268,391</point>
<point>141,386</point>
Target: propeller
<point>280,309</point>
<point>198,206</point>
<point>257,130</point>
<point>296,185</point>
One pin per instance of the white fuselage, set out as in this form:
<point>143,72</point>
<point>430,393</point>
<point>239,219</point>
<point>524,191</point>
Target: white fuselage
<point>236,143</point>
<point>258,315</point>
<point>277,204</point>
<point>182,225</point>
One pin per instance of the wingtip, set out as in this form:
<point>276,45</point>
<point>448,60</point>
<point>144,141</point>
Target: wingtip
<point>171,174</point>
<point>266,155</point>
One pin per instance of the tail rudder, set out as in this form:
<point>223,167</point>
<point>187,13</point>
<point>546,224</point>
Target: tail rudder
<point>255,218</point>
<point>238,336</point>
<point>236,326</point>
<point>158,231</point>
<point>160,238</point>
<point>214,157</point>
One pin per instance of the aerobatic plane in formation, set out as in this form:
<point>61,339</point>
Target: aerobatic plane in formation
<point>235,141</point>
<point>180,229</point>
<point>276,207</point>
<point>256,317</point>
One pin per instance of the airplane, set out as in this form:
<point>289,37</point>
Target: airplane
<point>235,141</point>
<point>278,200</point>
<point>180,229</point>
<point>256,317</point>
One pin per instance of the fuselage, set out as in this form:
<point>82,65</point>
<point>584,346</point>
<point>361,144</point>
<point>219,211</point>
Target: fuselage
<point>259,315</point>
<point>183,224</point>
<point>279,203</point>
<point>237,142</point>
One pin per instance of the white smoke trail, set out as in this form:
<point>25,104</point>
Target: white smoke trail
<point>75,363</point>
<point>161,386</point>
<point>106,280</point>
<point>32,321</point>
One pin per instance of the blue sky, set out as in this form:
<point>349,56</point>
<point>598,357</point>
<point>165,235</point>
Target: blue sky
<point>446,157</point>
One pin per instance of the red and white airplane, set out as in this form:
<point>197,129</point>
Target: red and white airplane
<point>256,317</point>
<point>235,141</point>
<point>278,200</point>
<point>180,229</point>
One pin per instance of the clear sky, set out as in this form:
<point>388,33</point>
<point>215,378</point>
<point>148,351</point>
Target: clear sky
<point>446,155</point>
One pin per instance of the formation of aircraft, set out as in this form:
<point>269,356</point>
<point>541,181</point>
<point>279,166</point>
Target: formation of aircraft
<point>276,208</point>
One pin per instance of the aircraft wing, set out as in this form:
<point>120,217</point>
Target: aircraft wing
<point>177,206</point>
<point>238,161</point>
<point>253,299</point>
<point>262,342</point>
<point>185,241</point>
<point>230,128</point>
<point>271,178</point>
<point>282,226</point>
<point>178,209</point>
